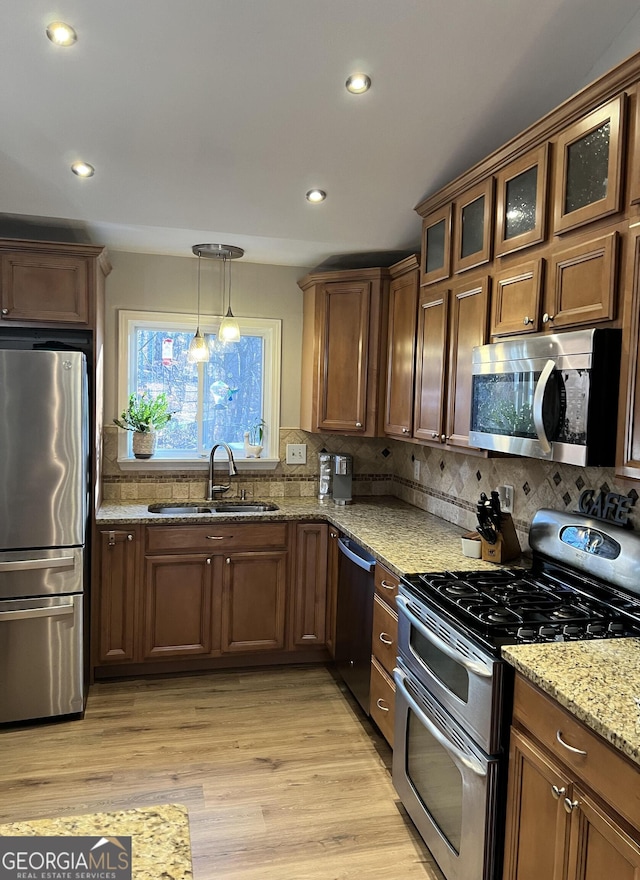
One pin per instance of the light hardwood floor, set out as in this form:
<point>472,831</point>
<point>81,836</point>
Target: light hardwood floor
<point>283,777</point>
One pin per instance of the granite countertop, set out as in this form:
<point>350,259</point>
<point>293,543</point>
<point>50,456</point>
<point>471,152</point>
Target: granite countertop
<point>598,681</point>
<point>160,845</point>
<point>402,537</point>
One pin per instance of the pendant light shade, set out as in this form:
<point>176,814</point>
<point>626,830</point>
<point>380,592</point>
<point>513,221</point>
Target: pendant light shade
<point>229,330</point>
<point>198,349</point>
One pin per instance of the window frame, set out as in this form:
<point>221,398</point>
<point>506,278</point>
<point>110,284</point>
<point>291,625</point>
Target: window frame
<point>270,329</point>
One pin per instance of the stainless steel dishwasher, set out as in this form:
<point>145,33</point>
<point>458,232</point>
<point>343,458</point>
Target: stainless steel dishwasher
<point>354,619</point>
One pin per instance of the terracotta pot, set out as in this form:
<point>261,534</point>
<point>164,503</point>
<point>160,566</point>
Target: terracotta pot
<point>144,444</point>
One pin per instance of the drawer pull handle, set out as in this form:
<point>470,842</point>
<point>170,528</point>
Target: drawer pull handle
<point>217,537</point>
<point>570,805</point>
<point>381,705</point>
<point>557,792</point>
<point>387,585</point>
<point>567,746</point>
<point>384,638</point>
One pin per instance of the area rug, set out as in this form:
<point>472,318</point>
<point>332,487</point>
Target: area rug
<point>160,844</point>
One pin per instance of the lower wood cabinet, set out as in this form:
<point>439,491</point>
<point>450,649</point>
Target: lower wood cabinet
<point>384,647</point>
<point>573,808</point>
<point>202,593</point>
<point>333,557</point>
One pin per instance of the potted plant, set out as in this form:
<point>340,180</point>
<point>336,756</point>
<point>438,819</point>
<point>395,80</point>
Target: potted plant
<point>253,439</point>
<point>144,416</point>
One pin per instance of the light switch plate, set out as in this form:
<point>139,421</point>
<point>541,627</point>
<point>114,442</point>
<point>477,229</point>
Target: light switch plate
<point>296,453</point>
<point>416,470</point>
<point>505,493</point>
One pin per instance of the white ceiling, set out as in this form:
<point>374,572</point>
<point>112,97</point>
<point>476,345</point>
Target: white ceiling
<point>208,120</point>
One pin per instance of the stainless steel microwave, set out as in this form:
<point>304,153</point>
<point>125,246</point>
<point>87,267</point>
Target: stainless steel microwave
<point>553,396</point>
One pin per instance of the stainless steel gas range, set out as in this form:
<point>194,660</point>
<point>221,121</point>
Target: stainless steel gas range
<point>454,690</point>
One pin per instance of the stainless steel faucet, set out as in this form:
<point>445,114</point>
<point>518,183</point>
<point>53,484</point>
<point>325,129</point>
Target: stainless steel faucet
<point>233,471</point>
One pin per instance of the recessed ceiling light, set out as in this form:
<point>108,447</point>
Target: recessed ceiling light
<point>83,169</point>
<point>358,83</point>
<point>316,195</point>
<point>61,34</point>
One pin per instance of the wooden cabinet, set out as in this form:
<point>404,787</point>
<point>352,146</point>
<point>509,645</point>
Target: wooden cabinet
<point>310,585</point>
<point>573,809</point>
<point>628,452</point>
<point>582,283</point>
<point>116,597</point>
<point>46,284</point>
<point>177,613</point>
<point>473,227</point>
<point>450,324</point>
<point>333,558</point>
<point>384,647</point>
<point>343,351</point>
<point>435,264</point>
<point>401,349</point>
<point>588,167</point>
<point>521,204</point>
<point>254,596</point>
<point>516,299</point>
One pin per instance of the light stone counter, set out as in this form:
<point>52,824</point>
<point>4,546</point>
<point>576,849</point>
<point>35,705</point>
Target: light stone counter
<point>597,681</point>
<point>402,537</point>
<point>160,845</point>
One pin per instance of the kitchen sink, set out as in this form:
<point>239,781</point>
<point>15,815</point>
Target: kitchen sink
<point>179,509</point>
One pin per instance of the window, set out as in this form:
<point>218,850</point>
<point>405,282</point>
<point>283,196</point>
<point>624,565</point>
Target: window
<point>211,402</point>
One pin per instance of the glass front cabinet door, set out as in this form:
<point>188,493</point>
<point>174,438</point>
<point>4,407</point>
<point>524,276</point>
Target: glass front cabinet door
<point>436,246</point>
<point>588,168</point>
<point>472,227</point>
<point>520,202</point>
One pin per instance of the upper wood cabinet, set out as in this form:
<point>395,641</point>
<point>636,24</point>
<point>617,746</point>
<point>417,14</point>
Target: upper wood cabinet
<point>473,227</point>
<point>44,284</point>
<point>516,299</point>
<point>450,323</point>
<point>435,262</point>
<point>343,350</point>
<point>628,452</point>
<point>521,203</point>
<point>588,167</point>
<point>401,348</point>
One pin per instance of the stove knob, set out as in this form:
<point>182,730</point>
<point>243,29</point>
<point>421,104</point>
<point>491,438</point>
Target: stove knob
<point>616,628</point>
<point>572,630</point>
<point>547,632</point>
<point>596,629</point>
<point>526,634</point>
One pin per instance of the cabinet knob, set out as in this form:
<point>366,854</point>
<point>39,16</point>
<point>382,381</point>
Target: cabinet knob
<point>570,805</point>
<point>434,434</point>
<point>405,430</point>
<point>527,320</point>
<point>5,311</point>
<point>228,560</point>
<point>129,537</point>
<point>547,317</point>
<point>333,534</point>
<point>557,792</point>
<point>208,560</point>
<point>442,438</point>
<point>358,424</point>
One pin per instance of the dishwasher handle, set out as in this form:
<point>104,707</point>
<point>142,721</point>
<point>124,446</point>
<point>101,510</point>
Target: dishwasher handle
<point>350,549</point>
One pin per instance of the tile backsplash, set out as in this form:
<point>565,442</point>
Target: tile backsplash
<point>448,486</point>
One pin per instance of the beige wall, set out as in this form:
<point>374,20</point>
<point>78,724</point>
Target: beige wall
<point>165,283</point>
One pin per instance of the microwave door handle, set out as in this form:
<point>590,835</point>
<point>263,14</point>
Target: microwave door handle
<point>467,760</point>
<point>469,665</point>
<point>538,400</point>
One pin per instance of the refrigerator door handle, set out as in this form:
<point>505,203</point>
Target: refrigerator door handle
<point>26,564</point>
<point>27,613</point>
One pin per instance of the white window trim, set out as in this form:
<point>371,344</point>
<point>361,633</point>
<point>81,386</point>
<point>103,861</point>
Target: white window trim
<point>269,328</point>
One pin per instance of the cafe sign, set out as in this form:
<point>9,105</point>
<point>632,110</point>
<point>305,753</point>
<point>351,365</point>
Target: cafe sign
<point>607,506</point>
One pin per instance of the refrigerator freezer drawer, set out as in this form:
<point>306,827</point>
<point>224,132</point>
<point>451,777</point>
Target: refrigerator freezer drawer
<point>40,658</point>
<point>41,572</point>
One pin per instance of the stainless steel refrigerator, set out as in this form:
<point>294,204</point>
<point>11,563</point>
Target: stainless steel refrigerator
<point>44,483</point>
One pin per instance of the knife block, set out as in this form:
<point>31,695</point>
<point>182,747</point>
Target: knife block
<point>507,547</point>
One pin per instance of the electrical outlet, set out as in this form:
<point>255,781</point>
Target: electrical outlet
<point>505,494</point>
<point>416,470</point>
<point>296,453</point>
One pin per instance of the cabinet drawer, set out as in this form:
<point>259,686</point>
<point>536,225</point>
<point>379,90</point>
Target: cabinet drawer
<point>382,701</point>
<point>602,768</point>
<point>217,537</point>
<point>384,643</point>
<point>386,584</point>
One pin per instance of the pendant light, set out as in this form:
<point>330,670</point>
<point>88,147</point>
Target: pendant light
<point>229,331</point>
<point>198,349</point>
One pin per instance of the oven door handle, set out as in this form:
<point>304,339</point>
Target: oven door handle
<point>538,401</point>
<point>467,760</point>
<point>469,665</point>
